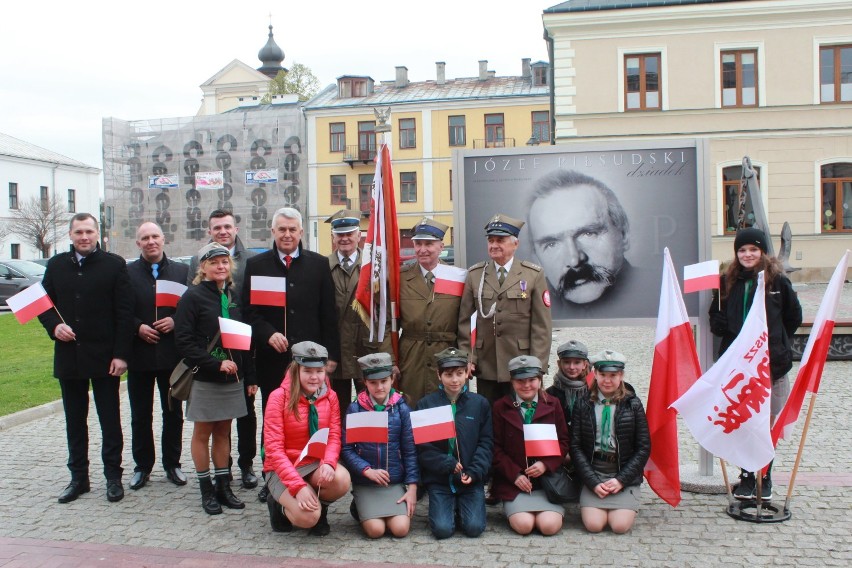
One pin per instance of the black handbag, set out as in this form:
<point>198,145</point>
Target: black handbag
<point>180,381</point>
<point>560,486</point>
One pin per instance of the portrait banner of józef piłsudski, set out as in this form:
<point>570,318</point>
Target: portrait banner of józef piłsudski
<point>597,218</point>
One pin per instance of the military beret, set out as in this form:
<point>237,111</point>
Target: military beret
<point>310,354</point>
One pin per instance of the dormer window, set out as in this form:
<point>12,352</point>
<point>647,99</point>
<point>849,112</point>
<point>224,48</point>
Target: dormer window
<point>540,75</point>
<point>348,87</point>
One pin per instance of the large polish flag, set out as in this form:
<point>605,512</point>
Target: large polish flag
<point>701,276</point>
<point>268,291</point>
<point>235,334</point>
<point>168,293</point>
<point>315,447</point>
<point>433,424</point>
<point>674,370</point>
<point>727,409</point>
<point>367,427</point>
<point>449,279</point>
<point>816,352</point>
<point>29,303</point>
<point>541,440</point>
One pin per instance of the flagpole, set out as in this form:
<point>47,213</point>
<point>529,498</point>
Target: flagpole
<point>724,467</point>
<point>57,313</point>
<point>799,453</point>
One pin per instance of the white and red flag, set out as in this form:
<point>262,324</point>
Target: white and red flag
<point>378,282</point>
<point>367,427</point>
<point>541,440</point>
<point>449,279</point>
<point>473,330</point>
<point>674,370</point>
<point>29,303</point>
<point>701,276</point>
<point>727,409</point>
<point>268,291</point>
<point>433,424</point>
<point>235,334</point>
<point>168,293</point>
<point>816,352</point>
<point>315,447</point>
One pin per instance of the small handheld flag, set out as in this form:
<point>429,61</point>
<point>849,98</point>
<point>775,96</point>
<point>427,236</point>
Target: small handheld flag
<point>315,447</point>
<point>541,440</point>
<point>433,424</point>
<point>235,334</point>
<point>30,303</point>
<point>367,427</point>
<point>168,293</point>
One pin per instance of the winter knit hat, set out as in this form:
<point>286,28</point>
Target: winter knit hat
<point>750,236</point>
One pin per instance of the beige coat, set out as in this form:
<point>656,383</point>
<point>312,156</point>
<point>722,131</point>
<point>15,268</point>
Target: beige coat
<point>428,323</point>
<point>354,334</point>
<point>521,324</point>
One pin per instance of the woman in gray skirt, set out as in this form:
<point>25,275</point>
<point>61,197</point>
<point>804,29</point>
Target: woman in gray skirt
<point>610,445</point>
<point>222,374</point>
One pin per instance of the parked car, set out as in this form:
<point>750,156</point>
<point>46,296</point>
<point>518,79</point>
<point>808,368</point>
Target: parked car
<point>41,261</point>
<point>15,275</point>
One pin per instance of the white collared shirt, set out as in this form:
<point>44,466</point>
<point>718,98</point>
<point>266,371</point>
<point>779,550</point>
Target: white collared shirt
<point>293,255</point>
<point>507,266</point>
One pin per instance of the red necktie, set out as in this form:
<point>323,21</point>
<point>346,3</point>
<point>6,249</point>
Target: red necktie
<point>287,260</point>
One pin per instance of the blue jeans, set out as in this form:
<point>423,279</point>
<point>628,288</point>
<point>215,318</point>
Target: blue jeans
<point>443,504</point>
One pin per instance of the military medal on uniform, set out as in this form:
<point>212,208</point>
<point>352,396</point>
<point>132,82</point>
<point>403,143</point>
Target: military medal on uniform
<point>524,289</point>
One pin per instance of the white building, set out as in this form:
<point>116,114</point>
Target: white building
<point>30,172</point>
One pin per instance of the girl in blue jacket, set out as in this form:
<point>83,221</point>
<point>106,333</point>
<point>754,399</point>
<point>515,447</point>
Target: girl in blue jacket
<point>384,475</point>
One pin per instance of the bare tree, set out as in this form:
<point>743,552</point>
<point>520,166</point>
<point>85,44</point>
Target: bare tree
<point>40,222</point>
<point>4,232</point>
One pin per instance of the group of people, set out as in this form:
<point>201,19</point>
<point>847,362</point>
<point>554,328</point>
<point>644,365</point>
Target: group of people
<point>314,364</point>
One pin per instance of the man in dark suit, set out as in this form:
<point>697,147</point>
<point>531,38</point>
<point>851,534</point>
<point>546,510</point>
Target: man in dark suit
<point>310,314</point>
<point>222,228</point>
<point>154,358</point>
<point>92,341</point>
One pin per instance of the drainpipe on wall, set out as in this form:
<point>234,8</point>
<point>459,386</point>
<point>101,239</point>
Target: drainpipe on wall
<point>550,74</point>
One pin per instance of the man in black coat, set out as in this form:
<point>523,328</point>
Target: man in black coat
<point>154,357</point>
<point>92,340</point>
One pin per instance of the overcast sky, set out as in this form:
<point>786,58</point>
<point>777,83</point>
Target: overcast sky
<point>66,65</point>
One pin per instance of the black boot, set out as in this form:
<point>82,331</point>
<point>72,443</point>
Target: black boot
<point>208,497</point>
<point>277,519</point>
<point>322,527</point>
<point>224,494</point>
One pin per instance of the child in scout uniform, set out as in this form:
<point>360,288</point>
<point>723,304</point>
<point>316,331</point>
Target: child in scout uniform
<point>454,471</point>
<point>384,475</point>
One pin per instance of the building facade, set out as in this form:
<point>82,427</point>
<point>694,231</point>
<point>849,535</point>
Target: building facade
<point>28,173</point>
<point>429,121</point>
<point>768,79</point>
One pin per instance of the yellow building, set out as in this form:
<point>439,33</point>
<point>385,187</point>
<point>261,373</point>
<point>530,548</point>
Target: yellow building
<point>429,120</point>
<point>771,79</point>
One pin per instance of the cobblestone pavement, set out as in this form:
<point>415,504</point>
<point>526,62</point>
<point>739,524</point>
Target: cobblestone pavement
<point>164,525</point>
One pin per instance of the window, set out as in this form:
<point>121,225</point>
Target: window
<point>338,190</point>
<point>642,80</point>
<point>352,88</point>
<point>337,136</point>
<point>13,195</point>
<point>541,125</point>
<point>408,189</point>
<point>731,189</point>
<point>495,132</point>
<point>72,200</point>
<point>836,207</point>
<point>15,250</point>
<point>407,133</point>
<point>457,131</point>
<point>45,198</point>
<point>739,78</point>
<point>540,76</point>
<point>366,140</point>
<point>365,191</point>
<point>835,73</point>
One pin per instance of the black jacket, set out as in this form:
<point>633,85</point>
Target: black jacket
<point>96,301</point>
<point>475,442</point>
<point>163,354</point>
<point>196,322</point>
<point>633,440</point>
<point>783,317</point>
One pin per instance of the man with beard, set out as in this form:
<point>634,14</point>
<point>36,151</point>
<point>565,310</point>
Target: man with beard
<point>580,233</point>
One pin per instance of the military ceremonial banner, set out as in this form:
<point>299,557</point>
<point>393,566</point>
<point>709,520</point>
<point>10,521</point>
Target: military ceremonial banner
<point>727,409</point>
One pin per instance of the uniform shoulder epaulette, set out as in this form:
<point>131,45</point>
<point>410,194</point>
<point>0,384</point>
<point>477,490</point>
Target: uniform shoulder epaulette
<point>532,265</point>
<point>477,266</point>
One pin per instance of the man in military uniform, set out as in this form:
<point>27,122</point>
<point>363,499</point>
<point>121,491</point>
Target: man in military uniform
<point>429,319</point>
<point>345,263</point>
<point>512,302</point>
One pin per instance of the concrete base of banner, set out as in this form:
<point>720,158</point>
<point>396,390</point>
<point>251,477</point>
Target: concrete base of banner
<point>692,481</point>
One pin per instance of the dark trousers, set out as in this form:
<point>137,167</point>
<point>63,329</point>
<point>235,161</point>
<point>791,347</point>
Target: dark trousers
<point>271,369</point>
<point>492,390</point>
<point>247,435</point>
<point>75,401</point>
<point>140,390</point>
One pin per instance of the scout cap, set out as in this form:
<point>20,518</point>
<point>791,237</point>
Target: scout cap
<point>502,226</point>
<point>212,250</point>
<point>310,354</point>
<point>525,367</point>
<point>750,236</point>
<point>376,365</point>
<point>573,349</point>
<point>345,221</point>
<point>428,229</point>
<point>608,360</point>
<point>451,357</point>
